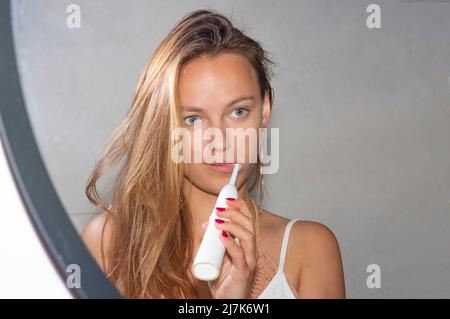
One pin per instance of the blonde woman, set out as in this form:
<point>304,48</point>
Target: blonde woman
<point>205,72</point>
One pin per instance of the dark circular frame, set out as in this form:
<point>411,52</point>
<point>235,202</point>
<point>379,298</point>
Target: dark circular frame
<point>60,238</point>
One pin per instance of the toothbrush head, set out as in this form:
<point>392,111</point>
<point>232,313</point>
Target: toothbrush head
<point>234,175</point>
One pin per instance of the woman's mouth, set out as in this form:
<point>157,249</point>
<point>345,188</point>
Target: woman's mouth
<point>222,167</point>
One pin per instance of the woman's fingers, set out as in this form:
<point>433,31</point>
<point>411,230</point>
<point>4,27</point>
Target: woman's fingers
<point>241,226</point>
<point>232,250</point>
<point>246,239</point>
<point>237,227</point>
<point>238,204</point>
<point>236,253</point>
<point>237,212</point>
<point>235,215</point>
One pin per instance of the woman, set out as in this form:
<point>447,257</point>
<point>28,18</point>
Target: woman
<point>204,72</point>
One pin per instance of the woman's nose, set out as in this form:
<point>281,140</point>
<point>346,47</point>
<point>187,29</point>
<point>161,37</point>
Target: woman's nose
<point>221,132</point>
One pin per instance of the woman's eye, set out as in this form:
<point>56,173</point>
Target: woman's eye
<point>190,120</point>
<point>240,112</point>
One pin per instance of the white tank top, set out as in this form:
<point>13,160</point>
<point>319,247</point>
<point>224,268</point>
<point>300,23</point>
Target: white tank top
<point>278,287</point>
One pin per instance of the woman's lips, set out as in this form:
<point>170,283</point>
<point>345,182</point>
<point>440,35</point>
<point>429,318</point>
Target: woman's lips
<point>222,167</point>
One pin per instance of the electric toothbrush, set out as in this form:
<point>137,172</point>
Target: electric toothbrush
<point>209,258</point>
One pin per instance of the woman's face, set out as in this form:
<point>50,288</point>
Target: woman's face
<point>221,92</point>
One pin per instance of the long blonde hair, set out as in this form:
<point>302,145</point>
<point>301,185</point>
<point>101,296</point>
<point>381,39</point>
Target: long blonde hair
<point>149,251</point>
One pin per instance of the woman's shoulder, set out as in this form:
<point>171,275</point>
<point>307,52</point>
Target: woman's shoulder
<point>306,231</point>
<point>92,234</point>
<point>313,255</point>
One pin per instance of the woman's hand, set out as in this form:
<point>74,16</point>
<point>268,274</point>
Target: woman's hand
<point>238,236</point>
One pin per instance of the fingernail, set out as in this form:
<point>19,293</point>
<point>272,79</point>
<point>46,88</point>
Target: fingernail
<point>231,199</point>
<point>220,209</point>
<point>219,221</point>
<point>224,233</point>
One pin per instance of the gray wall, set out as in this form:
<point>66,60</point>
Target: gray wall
<point>364,116</point>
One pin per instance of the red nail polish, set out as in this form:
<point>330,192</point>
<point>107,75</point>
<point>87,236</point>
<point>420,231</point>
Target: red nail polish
<point>219,221</point>
<point>220,209</point>
<point>224,233</point>
<point>230,199</point>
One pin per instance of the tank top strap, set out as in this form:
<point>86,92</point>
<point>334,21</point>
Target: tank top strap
<point>284,244</point>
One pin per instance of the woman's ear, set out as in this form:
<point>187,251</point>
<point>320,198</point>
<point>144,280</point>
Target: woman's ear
<point>266,110</point>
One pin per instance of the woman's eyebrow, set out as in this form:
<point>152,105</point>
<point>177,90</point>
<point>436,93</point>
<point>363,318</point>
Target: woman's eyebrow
<point>239,99</point>
<point>199,109</point>
<point>193,109</point>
